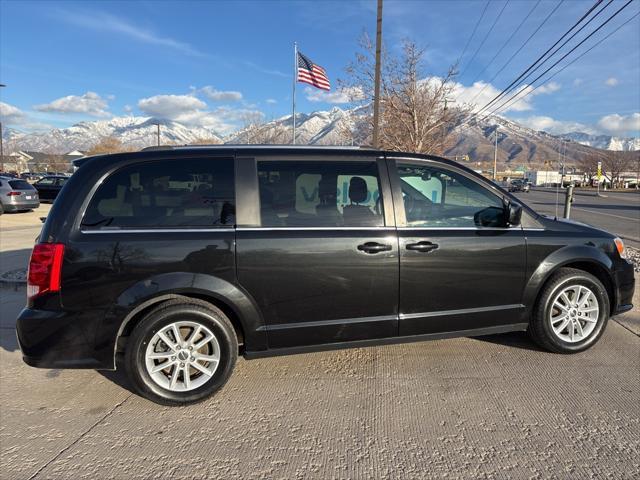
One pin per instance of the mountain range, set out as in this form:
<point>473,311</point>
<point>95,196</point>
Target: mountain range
<point>517,145</point>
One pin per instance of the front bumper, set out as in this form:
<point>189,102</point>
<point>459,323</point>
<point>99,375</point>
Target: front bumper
<point>625,286</point>
<point>58,339</point>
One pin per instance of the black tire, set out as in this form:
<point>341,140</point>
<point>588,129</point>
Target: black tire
<point>180,309</point>
<point>540,328</point>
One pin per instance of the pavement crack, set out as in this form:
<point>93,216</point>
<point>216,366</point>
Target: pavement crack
<point>82,435</point>
<point>625,327</point>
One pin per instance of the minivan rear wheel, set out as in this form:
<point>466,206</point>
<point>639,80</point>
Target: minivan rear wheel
<point>571,313</point>
<point>181,352</point>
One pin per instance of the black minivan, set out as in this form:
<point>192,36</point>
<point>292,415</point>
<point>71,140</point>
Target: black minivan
<point>171,262</point>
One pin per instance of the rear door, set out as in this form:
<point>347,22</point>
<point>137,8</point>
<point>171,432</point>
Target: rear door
<point>317,248</point>
<point>461,266</point>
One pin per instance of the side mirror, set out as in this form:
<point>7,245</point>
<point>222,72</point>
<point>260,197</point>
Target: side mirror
<point>514,213</point>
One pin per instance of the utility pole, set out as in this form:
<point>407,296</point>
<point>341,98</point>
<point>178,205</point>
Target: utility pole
<point>1,143</point>
<point>495,155</point>
<point>376,94</point>
<point>158,132</point>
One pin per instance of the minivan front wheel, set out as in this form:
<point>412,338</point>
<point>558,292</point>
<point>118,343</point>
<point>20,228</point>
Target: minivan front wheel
<point>181,352</point>
<point>571,313</point>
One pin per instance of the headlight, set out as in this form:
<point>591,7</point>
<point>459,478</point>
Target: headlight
<point>620,247</point>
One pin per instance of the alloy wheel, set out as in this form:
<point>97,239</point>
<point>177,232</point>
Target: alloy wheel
<point>574,313</point>
<point>182,356</point>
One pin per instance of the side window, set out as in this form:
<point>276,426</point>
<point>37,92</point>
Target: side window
<point>169,193</point>
<point>319,194</point>
<point>435,197</point>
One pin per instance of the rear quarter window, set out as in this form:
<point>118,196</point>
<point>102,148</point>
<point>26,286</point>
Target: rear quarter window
<point>20,185</point>
<point>165,194</point>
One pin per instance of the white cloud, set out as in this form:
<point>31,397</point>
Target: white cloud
<point>128,108</point>
<point>553,126</point>
<point>170,106</point>
<point>191,111</point>
<point>271,101</point>
<point>577,82</point>
<point>343,95</point>
<point>481,93</point>
<point>611,82</point>
<point>11,115</point>
<point>90,103</point>
<point>110,23</point>
<point>220,95</point>
<point>620,124</point>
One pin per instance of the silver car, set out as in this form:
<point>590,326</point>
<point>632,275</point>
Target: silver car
<point>17,195</point>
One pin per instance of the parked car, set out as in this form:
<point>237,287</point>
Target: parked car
<point>282,250</point>
<point>17,195</point>
<point>519,186</point>
<point>48,187</point>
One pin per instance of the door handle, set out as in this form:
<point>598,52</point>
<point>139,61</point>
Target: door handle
<point>374,247</point>
<point>423,246</point>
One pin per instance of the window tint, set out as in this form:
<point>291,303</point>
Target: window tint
<point>20,185</point>
<point>170,193</point>
<point>435,197</point>
<point>319,194</point>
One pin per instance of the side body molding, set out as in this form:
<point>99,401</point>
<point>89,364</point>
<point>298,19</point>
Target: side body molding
<point>165,286</point>
<point>558,259</point>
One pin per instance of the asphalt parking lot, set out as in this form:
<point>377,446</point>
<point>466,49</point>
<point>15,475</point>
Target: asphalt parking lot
<point>489,407</point>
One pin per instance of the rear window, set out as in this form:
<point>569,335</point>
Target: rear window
<point>168,193</point>
<point>20,185</point>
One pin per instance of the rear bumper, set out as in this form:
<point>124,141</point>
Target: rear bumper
<point>52,339</point>
<point>625,286</point>
<point>20,207</point>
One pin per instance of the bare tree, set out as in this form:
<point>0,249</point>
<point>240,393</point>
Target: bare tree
<point>206,141</point>
<point>258,132</point>
<point>416,115</point>
<point>588,163</point>
<point>108,145</point>
<point>615,163</point>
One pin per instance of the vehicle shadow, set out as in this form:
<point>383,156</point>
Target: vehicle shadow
<point>118,376</point>
<point>512,339</point>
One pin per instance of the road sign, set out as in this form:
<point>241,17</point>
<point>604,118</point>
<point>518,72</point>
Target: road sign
<point>599,175</point>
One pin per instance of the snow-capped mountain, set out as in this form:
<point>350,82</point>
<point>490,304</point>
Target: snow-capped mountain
<point>137,132</point>
<point>604,142</point>
<point>517,145</point>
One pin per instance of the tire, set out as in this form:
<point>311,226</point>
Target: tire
<point>1,209</point>
<point>586,323</point>
<point>195,320</point>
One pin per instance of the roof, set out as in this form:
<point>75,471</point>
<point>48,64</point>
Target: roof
<point>229,149</point>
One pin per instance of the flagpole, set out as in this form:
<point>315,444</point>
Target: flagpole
<point>295,79</point>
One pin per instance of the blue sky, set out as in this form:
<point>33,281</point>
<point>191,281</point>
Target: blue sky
<point>214,62</point>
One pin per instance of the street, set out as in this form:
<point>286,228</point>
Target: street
<point>616,212</point>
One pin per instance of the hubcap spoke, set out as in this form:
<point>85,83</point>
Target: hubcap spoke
<point>165,339</point>
<point>162,366</point>
<point>208,336</point>
<point>202,368</point>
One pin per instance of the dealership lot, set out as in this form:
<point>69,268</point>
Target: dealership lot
<point>494,407</point>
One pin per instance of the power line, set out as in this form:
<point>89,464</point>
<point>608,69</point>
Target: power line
<point>516,30</point>
<point>502,93</point>
<point>485,37</point>
<point>518,51</point>
<point>474,30</point>
<point>521,82</point>
<point>513,99</point>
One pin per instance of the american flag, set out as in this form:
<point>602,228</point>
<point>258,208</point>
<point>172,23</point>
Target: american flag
<point>309,72</point>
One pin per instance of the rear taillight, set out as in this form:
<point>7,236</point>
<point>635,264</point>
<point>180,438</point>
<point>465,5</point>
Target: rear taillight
<point>13,194</point>
<point>45,267</point>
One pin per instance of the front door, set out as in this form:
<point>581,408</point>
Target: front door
<point>461,266</point>
<point>321,260</point>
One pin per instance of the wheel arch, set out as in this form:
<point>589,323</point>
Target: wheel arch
<point>136,301</point>
<point>586,258</point>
